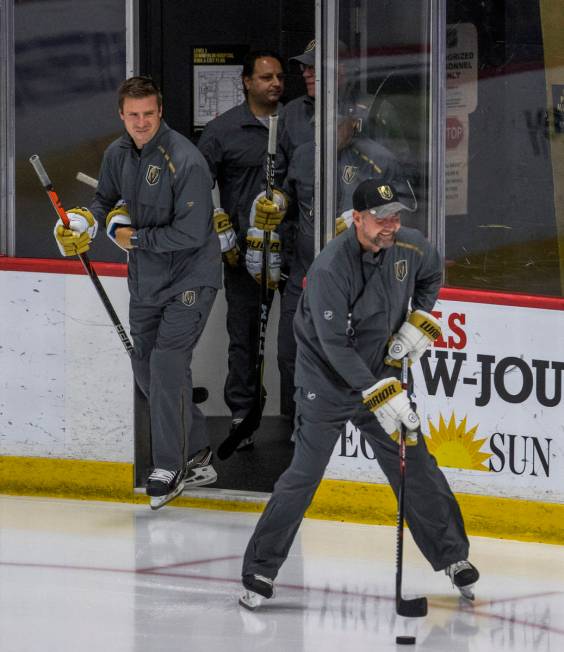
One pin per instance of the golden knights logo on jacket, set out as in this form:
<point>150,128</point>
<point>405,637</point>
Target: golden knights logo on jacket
<point>400,268</point>
<point>349,173</point>
<point>153,174</point>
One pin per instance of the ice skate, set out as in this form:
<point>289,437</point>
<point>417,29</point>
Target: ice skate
<point>463,576</point>
<point>257,589</point>
<point>245,444</point>
<point>163,486</point>
<point>199,470</point>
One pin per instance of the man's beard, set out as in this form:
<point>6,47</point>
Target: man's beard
<point>384,243</point>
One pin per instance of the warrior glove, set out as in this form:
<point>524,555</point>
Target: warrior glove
<point>227,238</point>
<point>253,257</point>
<point>117,217</point>
<point>390,405</point>
<point>343,222</point>
<point>267,214</point>
<point>413,338</point>
<point>75,239</point>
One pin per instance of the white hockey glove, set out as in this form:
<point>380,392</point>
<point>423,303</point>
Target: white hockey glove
<point>391,407</point>
<point>343,222</point>
<point>227,238</point>
<point>253,257</point>
<point>413,338</point>
<point>266,214</point>
<point>76,238</point>
<point>118,216</point>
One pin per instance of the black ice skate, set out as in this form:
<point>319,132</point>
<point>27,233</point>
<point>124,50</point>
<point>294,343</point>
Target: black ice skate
<point>199,470</point>
<point>463,577</point>
<point>257,589</point>
<point>163,486</point>
<point>246,444</point>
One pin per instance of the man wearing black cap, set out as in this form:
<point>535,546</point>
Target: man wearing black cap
<point>352,326</point>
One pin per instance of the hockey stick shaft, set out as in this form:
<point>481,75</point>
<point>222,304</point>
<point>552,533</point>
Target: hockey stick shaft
<point>88,180</point>
<point>415,607</point>
<point>57,205</point>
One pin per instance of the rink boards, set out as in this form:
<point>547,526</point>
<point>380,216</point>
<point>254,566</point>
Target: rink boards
<point>489,394</point>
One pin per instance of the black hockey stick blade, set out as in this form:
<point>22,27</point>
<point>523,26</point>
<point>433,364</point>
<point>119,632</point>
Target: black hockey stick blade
<point>244,430</point>
<point>414,608</point>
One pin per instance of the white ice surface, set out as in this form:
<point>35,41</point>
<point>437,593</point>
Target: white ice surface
<point>90,577</point>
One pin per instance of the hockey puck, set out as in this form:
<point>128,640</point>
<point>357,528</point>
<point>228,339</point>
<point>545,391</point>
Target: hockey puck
<point>405,640</point>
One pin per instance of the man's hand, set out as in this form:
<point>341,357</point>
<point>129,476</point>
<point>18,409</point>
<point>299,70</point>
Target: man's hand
<point>76,238</point>
<point>266,214</point>
<point>253,257</point>
<point>413,338</point>
<point>390,405</point>
<point>227,238</point>
<point>116,219</point>
<point>343,222</point>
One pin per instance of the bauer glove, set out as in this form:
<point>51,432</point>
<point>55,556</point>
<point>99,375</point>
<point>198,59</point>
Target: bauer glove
<point>227,238</point>
<point>390,405</point>
<point>413,338</point>
<point>267,214</point>
<point>75,239</point>
<point>343,222</point>
<point>253,257</point>
<point>118,216</point>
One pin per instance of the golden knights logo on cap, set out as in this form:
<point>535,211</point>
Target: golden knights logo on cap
<point>310,46</point>
<point>349,173</point>
<point>385,192</point>
<point>153,174</point>
<point>400,267</point>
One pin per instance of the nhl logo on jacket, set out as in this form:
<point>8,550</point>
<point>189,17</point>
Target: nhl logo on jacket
<point>349,173</point>
<point>400,267</point>
<point>153,174</point>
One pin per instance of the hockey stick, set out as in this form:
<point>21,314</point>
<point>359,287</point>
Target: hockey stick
<point>252,420</point>
<point>416,607</point>
<point>199,394</point>
<point>88,180</point>
<point>57,205</point>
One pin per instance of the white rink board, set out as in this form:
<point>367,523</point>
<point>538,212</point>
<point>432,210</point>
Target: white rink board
<point>515,357</point>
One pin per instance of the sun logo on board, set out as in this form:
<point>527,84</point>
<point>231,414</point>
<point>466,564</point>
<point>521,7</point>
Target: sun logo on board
<point>455,446</point>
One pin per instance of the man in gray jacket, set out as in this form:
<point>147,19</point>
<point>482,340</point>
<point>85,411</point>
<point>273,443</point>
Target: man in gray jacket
<point>234,144</point>
<point>164,221</point>
<point>352,326</point>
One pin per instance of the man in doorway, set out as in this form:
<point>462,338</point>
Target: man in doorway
<point>358,159</point>
<point>164,221</point>
<point>235,146</point>
<point>366,305</point>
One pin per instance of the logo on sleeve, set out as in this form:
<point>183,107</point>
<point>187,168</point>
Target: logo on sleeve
<point>153,174</point>
<point>400,267</point>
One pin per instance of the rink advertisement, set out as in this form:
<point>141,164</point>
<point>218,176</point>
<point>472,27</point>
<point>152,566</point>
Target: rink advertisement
<point>490,395</point>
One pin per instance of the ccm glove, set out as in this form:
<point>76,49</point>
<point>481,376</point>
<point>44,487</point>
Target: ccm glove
<point>75,239</point>
<point>118,216</point>
<point>391,407</point>
<point>227,238</point>
<point>343,222</point>
<point>267,214</point>
<point>413,338</point>
<point>253,257</point>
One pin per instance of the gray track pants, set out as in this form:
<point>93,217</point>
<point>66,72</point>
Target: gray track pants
<point>164,338</point>
<point>431,510</point>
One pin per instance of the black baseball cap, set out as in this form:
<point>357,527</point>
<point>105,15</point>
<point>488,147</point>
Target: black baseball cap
<point>384,199</point>
<point>308,55</point>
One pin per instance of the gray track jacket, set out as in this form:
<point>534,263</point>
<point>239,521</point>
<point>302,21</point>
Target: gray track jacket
<point>167,188</point>
<point>339,356</point>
